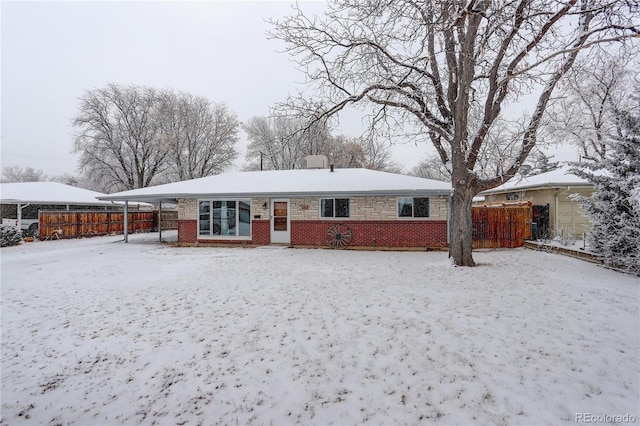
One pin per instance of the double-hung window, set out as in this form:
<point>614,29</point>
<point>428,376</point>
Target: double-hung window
<point>413,207</point>
<point>334,207</point>
<point>224,218</point>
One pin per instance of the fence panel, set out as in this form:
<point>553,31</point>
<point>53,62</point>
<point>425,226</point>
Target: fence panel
<point>503,225</point>
<point>61,223</point>
<point>169,220</point>
<point>74,224</point>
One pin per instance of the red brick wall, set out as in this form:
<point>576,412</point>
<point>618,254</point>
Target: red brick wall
<point>379,233</point>
<point>187,231</point>
<point>260,232</point>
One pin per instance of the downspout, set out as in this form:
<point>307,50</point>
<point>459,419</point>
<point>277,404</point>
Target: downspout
<point>566,191</point>
<point>449,221</point>
<point>556,223</point>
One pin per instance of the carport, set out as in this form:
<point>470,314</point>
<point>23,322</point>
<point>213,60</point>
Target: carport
<point>25,194</point>
<point>48,194</point>
<point>136,199</point>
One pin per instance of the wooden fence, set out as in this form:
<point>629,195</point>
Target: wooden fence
<point>75,224</point>
<point>504,225</point>
<point>169,220</point>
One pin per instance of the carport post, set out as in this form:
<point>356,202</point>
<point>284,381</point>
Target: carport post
<point>126,221</point>
<point>160,220</point>
<point>19,216</point>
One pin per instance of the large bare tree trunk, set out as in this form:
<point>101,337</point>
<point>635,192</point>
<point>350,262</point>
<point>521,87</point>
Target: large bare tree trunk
<point>461,227</point>
<point>461,239</point>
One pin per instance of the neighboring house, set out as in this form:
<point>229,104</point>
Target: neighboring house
<point>22,201</point>
<point>554,211</point>
<point>310,207</point>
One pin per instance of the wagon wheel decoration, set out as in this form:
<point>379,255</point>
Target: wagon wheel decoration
<point>339,236</point>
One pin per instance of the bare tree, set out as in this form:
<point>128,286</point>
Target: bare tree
<point>431,168</point>
<point>271,144</point>
<point>539,163</point>
<point>344,152</point>
<point>134,136</point>
<point>282,143</point>
<point>19,174</point>
<point>79,181</point>
<point>68,179</point>
<point>120,140</point>
<point>596,86</point>
<point>439,64</point>
<point>378,156</point>
<point>360,152</point>
<point>200,136</point>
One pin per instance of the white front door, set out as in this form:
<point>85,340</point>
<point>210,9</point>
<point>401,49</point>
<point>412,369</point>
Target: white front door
<point>280,223</point>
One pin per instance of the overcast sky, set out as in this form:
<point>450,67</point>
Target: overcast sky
<point>52,52</point>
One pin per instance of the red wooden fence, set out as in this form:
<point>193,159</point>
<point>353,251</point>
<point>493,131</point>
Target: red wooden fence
<point>503,225</point>
<point>75,224</point>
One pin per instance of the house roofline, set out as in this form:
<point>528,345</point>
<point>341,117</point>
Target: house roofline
<point>56,203</point>
<point>176,196</point>
<point>529,187</point>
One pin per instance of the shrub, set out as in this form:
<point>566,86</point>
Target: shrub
<point>9,236</point>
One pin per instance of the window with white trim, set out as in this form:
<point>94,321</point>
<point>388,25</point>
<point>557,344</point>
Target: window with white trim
<point>413,207</point>
<point>334,207</point>
<point>224,218</point>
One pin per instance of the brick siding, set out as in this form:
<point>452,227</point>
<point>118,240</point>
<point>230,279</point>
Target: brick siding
<point>365,208</point>
<point>187,231</point>
<point>375,233</point>
<point>374,223</point>
<point>379,233</point>
<point>187,208</point>
<point>260,232</point>
<point>188,234</point>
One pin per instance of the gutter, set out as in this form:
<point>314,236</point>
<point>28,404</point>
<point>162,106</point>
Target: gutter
<point>532,187</point>
<point>171,197</point>
<point>54,202</point>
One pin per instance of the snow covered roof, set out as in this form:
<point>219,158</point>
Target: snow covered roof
<point>558,178</point>
<point>49,193</point>
<point>287,183</point>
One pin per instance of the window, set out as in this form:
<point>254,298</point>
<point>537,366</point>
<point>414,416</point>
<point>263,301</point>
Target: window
<point>413,207</point>
<point>224,218</point>
<point>334,207</point>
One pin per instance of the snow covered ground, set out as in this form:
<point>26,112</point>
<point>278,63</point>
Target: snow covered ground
<point>98,332</point>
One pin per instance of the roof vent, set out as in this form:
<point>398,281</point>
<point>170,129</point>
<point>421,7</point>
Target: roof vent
<point>317,161</point>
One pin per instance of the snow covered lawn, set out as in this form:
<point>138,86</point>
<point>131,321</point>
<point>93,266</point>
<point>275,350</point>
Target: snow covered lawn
<point>98,332</point>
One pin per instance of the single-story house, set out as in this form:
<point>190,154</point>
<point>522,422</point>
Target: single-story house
<point>555,212</point>
<point>307,207</point>
<point>22,201</point>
